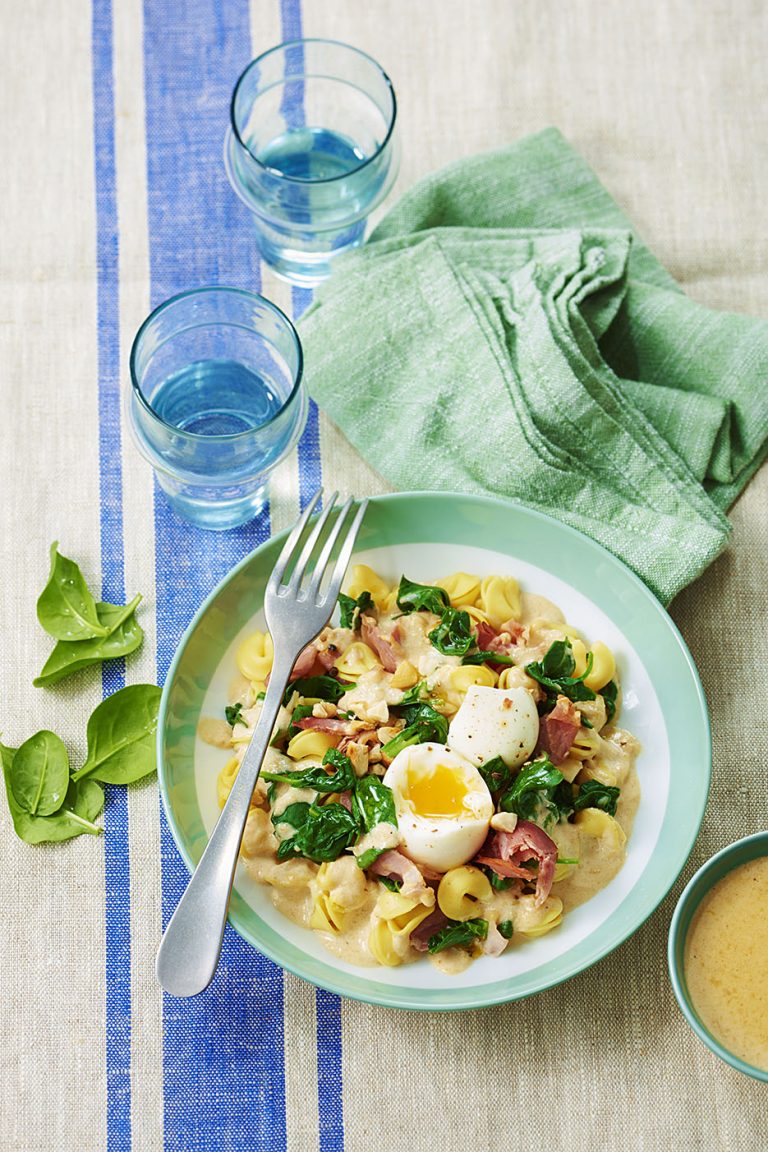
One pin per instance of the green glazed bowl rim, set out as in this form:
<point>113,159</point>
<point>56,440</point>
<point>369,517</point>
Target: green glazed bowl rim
<point>700,885</point>
<point>528,536</point>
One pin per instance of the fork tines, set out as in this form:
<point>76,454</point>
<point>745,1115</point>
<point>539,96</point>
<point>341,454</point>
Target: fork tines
<point>327,531</point>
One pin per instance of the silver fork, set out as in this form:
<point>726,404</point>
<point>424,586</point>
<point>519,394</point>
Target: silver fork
<point>296,610</point>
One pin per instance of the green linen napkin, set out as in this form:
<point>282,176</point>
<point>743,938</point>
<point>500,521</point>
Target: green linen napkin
<point>504,332</point>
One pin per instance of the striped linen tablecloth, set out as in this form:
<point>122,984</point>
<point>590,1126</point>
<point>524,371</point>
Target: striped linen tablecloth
<point>114,197</point>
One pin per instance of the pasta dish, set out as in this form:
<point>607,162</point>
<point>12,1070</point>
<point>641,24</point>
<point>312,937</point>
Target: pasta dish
<point>446,778</point>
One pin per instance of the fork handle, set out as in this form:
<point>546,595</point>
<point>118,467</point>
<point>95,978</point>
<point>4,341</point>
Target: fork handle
<point>191,945</point>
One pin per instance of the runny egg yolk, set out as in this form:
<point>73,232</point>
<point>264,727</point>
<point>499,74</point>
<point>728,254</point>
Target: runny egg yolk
<point>439,792</point>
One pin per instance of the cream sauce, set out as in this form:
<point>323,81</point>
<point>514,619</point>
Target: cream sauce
<point>726,962</point>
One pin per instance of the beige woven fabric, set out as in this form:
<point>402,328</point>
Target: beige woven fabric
<point>668,101</point>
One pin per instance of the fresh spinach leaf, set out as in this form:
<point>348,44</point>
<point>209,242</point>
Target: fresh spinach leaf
<point>40,774</point>
<point>342,779</point>
<point>423,723</point>
<point>65,608</point>
<point>233,714</point>
<point>496,773</point>
<point>326,831</point>
<point>81,806</point>
<point>453,635</point>
<point>317,688</point>
<point>593,794</point>
<point>481,657</point>
<point>555,674</point>
<point>412,597</point>
<point>457,934</point>
<point>121,736</point>
<point>351,609</point>
<point>609,694</point>
<point>124,635</point>
<point>534,789</point>
<point>506,928</point>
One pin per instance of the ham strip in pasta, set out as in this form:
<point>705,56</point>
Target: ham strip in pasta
<point>507,853</point>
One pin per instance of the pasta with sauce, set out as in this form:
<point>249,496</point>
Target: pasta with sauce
<point>446,775</point>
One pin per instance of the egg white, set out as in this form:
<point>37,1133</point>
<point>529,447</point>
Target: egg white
<point>495,722</point>
<point>439,842</point>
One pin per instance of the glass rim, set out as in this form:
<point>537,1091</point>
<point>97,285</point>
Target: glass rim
<point>293,44</point>
<point>228,437</point>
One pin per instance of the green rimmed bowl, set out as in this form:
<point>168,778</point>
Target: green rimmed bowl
<point>427,535</point>
<point>728,858</point>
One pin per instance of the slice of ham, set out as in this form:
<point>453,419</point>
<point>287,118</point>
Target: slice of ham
<point>557,730</point>
<point>503,642</point>
<point>307,663</point>
<point>507,852</point>
<point>396,866</point>
<point>329,724</point>
<point>386,647</point>
<point>494,943</point>
<point>420,937</point>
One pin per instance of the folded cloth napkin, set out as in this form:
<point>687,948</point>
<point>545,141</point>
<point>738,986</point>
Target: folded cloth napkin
<point>504,332</point>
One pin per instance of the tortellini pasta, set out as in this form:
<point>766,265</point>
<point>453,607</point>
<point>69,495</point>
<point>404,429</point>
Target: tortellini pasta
<point>462,588</point>
<point>467,674</point>
<point>603,663</point>
<point>533,922</point>
<point>460,892</point>
<point>356,660</point>
<point>364,579</point>
<point>586,744</point>
<point>311,743</point>
<point>254,657</point>
<point>593,822</point>
<point>226,779</point>
<point>500,599</point>
<point>395,918</point>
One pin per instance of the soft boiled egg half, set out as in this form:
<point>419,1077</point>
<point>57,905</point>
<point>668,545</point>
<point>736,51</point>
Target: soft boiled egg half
<point>443,805</point>
<point>495,722</point>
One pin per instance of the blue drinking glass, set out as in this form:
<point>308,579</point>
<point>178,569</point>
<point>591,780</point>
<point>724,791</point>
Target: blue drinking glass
<point>216,401</point>
<point>311,151</point>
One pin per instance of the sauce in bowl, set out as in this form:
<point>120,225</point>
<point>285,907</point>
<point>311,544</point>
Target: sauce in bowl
<point>726,961</point>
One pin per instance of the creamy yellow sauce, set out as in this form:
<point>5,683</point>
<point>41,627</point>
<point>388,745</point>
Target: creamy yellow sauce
<point>726,962</point>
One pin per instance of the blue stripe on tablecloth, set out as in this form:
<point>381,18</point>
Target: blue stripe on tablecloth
<point>116,860</point>
<point>330,1100</point>
<point>224,1078</point>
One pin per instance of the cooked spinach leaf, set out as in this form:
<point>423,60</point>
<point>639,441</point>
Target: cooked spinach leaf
<point>453,635</point>
<point>481,657</point>
<point>65,608</point>
<point>234,714</point>
<point>40,774</point>
<point>593,794</point>
<point>506,928</point>
<point>389,883</point>
<point>124,635</point>
<point>555,674</point>
<point>121,736</point>
<point>351,609</point>
<point>609,694</point>
<point>415,695</point>
<point>457,934</point>
<point>342,779</point>
<point>317,688</point>
<point>423,723</point>
<point>372,804</point>
<point>300,712</point>
<point>496,773</point>
<point>325,832</point>
<point>413,597</point>
<point>533,790</point>
<point>498,883</point>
